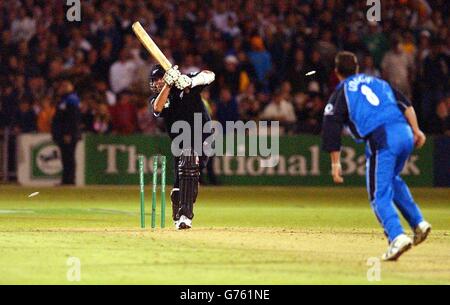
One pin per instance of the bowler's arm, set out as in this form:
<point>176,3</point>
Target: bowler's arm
<point>331,142</point>
<point>334,119</point>
<point>408,111</point>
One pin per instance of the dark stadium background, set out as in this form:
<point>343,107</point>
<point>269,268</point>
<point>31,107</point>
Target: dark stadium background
<point>259,50</point>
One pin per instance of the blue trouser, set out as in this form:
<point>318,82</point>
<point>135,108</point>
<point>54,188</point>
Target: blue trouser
<point>387,150</point>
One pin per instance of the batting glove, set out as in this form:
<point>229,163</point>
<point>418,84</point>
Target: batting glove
<point>171,76</point>
<point>183,82</point>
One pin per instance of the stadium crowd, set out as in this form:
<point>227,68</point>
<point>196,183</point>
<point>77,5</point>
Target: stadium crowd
<point>261,53</point>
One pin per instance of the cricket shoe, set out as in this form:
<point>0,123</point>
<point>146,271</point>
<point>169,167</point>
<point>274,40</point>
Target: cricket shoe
<point>421,232</point>
<point>183,223</point>
<point>398,246</point>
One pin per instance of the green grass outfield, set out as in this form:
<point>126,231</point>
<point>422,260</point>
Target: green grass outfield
<point>241,235</point>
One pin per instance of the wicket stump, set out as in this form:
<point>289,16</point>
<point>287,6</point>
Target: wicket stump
<point>154,190</point>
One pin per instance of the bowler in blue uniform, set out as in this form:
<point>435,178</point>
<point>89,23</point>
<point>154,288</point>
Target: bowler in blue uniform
<point>383,118</point>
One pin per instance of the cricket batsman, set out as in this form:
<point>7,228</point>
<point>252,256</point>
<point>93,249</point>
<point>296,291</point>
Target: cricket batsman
<point>176,97</point>
<point>384,119</point>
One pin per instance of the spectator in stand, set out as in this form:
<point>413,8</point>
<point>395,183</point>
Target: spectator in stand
<point>124,114</point>
<point>261,61</point>
<point>375,42</point>
<point>315,64</point>
<point>249,109</point>
<point>301,112</point>
<point>280,110</point>
<point>248,93</point>
<point>208,102</point>
<point>102,120</point>
<point>368,66</point>
<point>24,26</point>
<point>111,33</point>
<point>56,69</point>
<point>246,68</point>
<point>122,72</point>
<point>25,119</point>
<point>409,44</point>
<point>296,72</point>
<point>231,29</point>
<point>189,65</point>
<point>443,111</point>
<point>264,99</point>
<point>398,67</point>
<point>20,93</point>
<point>146,121</point>
<point>140,85</point>
<point>231,75</point>
<point>78,42</point>
<point>221,16</point>
<point>87,114</point>
<point>45,115</point>
<point>314,109</point>
<point>354,44</point>
<point>326,48</point>
<point>435,83</point>
<point>423,48</point>
<point>102,66</point>
<point>209,170</point>
<point>227,108</point>
<point>37,87</point>
<point>286,90</point>
<point>103,94</point>
<point>9,105</point>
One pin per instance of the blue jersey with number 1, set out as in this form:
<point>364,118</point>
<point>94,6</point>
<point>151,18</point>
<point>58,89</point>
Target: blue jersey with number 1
<point>371,103</point>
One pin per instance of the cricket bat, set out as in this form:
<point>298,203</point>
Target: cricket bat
<point>151,46</point>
